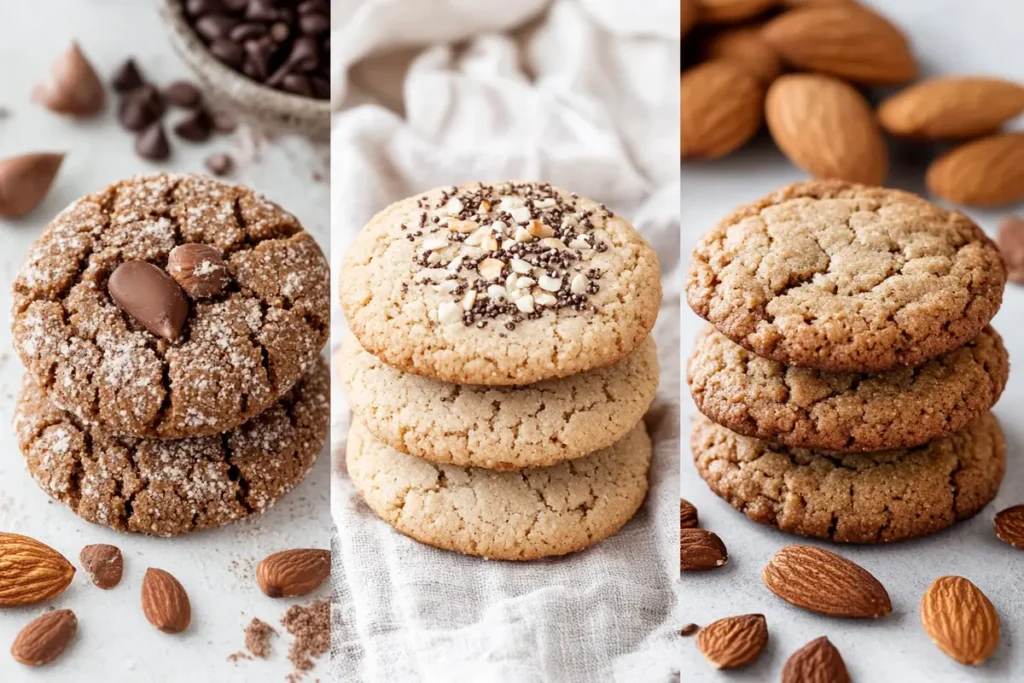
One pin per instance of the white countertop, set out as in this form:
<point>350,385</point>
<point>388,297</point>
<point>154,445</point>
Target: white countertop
<point>115,642</point>
<point>949,37</point>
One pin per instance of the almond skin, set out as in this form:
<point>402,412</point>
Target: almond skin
<point>816,662</point>
<point>734,641</point>
<point>165,602</point>
<point>1010,526</point>
<point>821,581</point>
<point>988,172</point>
<point>827,128</point>
<point>731,11</point>
<point>951,108</point>
<point>960,620</point>
<point>745,46</point>
<point>842,40</point>
<point>45,637</point>
<point>720,107</point>
<point>30,571</point>
<point>290,573</point>
<point>700,550</point>
<point>687,515</point>
<point>104,563</point>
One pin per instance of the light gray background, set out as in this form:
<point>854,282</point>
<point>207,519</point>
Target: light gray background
<point>949,37</point>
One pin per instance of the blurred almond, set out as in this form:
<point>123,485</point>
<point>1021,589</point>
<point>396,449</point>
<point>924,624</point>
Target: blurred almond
<point>951,108</point>
<point>25,181</point>
<point>1009,523</point>
<point>30,571</point>
<point>687,16</point>
<point>734,641</point>
<point>960,620</point>
<point>816,662</point>
<point>822,581</point>
<point>687,515</point>
<point>44,638</point>
<point>721,108</point>
<point>293,572</point>
<point>986,172</point>
<point>745,46</point>
<point>731,11</point>
<point>1010,238</point>
<point>165,602</point>
<point>700,550</point>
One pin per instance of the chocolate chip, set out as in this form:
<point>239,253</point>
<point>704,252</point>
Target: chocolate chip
<point>153,99</point>
<point>71,86</point>
<point>280,31</point>
<point>228,52</point>
<point>248,31</point>
<point>127,77</point>
<point>152,143</point>
<point>183,94</point>
<point>219,164</point>
<point>215,26</point>
<point>261,10</point>
<point>135,113</point>
<point>258,53</point>
<point>198,268</point>
<point>196,7</point>
<point>314,24</point>
<point>150,296</point>
<point>297,84</point>
<point>304,55</point>
<point>196,126</point>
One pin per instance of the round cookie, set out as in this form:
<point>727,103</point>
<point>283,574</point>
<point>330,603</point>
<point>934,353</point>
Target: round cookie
<point>502,284</point>
<point>846,411</point>
<point>843,277</point>
<point>499,428</point>
<point>523,515</point>
<point>239,351</point>
<point>166,487</point>
<point>854,498</point>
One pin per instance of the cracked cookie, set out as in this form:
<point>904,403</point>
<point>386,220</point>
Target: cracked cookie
<point>846,411</point>
<point>503,284</point>
<point>166,487</point>
<point>522,515</point>
<point>854,498</point>
<point>239,350</point>
<point>499,428</point>
<point>843,277</point>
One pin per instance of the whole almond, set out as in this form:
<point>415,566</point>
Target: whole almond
<point>730,11</point>
<point>1009,523</point>
<point>30,571</point>
<point>843,40</point>
<point>816,662</point>
<point>734,641</point>
<point>720,106</point>
<point>745,46</point>
<point>687,515</point>
<point>198,268</point>
<point>951,108</point>
<point>25,181</point>
<point>165,602</point>
<point>826,128</point>
<point>821,581</point>
<point>104,563</point>
<point>986,172</point>
<point>700,550</point>
<point>960,619</point>
<point>45,637</point>
<point>293,572</point>
<point>1010,239</point>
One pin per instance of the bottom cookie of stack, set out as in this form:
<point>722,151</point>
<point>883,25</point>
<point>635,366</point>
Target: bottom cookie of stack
<point>854,497</point>
<point>517,515</point>
<point>171,487</point>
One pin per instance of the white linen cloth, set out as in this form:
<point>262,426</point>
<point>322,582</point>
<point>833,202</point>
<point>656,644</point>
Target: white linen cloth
<point>583,94</point>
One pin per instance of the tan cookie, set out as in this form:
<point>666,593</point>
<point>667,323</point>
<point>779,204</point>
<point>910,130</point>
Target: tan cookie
<point>846,411</point>
<point>240,349</point>
<point>501,284</point>
<point>500,428</point>
<point>523,515</point>
<point>854,498</point>
<point>164,487</point>
<point>842,277</point>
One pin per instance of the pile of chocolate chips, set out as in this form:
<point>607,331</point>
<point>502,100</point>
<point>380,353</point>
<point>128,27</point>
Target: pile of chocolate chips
<point>284,44</point>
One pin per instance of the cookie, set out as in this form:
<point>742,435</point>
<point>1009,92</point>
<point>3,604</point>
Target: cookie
<point>847,278</point>
<point>238,351</point>
<point>854,498</point>
<point>523,515</point>
<point>502,284</point>
<point>846,411</point>
<point>165,487</point>
<point>500,428</point>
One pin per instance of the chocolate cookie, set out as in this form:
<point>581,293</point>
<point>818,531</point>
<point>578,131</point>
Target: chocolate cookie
<point>141,365</point>
<point>502,284</point>
<point>166,487</point>
<point>854,498</point>
<point>846,411</point>
<point>522,515</point>
<point>500,428</point>
<point>848,278</point>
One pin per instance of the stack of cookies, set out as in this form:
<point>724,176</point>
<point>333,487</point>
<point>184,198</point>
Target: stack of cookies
<point>499,367</point>
<point>171,328</point>
<point>847,379</point>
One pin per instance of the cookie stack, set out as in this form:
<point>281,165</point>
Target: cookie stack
<point>171,328</point>
<point>499,367</point>
<point>847,379</point>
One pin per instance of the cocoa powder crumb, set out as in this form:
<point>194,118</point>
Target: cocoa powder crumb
<point>257,640</point>
<point>311,626</point>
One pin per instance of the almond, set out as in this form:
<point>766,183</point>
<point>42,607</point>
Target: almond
<point>700,550</point>
<point>45,637</point>
<point>826,128</point>
<point>986,172</point>
<point>1010,522</point>
<point>30,571</point>
<point>293,572</point>
<point>730,11</point>
<point>688,630</point>
<point>165,602</point>
<point>821,581</point>
<point>734,641</point>
<point>816,662</point>
<point>960,619</point>
<point>721,107</point>
<point>745,46</point>
<point>687,515</point>
<point>687,16</point>
<point>951,108</point>
<point>104,563</point>
<point>843,40</point>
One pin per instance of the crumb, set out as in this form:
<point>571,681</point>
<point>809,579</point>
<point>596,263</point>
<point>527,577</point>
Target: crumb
<point>689,630</point>
<point>257,641</point>
<point>311,626</point>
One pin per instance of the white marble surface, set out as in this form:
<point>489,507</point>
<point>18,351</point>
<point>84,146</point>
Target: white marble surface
<point>115,642</point>
<point>949,37</point>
